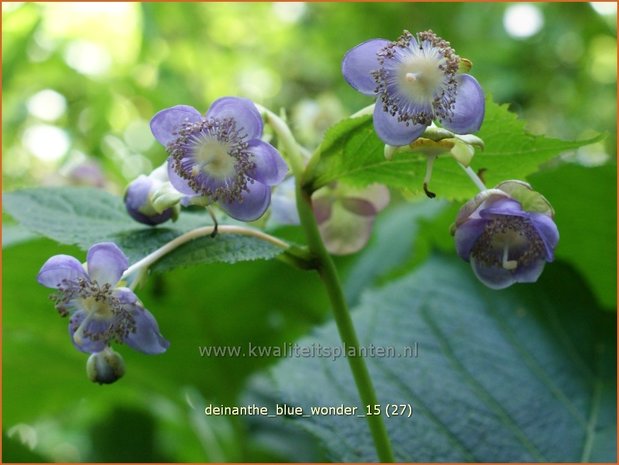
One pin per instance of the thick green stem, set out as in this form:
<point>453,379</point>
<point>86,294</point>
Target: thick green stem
<point>328,274</point>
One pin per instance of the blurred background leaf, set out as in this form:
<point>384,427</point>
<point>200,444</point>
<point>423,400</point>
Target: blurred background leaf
<point>586,202</point>
<point>81,80</point>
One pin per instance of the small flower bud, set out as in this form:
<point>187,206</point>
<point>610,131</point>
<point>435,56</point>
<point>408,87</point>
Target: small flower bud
<point>139,201</point>
<point>105,367</point>
<point>465,65</point>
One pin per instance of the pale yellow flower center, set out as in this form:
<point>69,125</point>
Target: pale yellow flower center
<point>213,158</point>
<point>420,77</point>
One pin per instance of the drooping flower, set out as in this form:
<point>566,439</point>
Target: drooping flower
<point>507,234</point>
<point>416,81</point>
<point>143,198</point>
<point>345,215</point>
<point>87,173</point>
<point>219,157</point>
<point>101,311</point>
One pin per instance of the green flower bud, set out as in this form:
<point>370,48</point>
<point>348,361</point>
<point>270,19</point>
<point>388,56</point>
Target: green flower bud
<point>105,367</point>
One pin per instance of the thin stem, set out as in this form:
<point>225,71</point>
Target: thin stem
<point>142,265</point>
<point>473,175</point>
<point>328,274</point>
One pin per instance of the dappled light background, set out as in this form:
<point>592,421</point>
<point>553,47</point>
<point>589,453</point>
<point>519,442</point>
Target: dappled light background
<point>80,84</point>
<point>81,81</point>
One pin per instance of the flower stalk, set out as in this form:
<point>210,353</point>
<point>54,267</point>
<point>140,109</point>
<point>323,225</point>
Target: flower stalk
<point>328,274</point>
<point>140,267</point>
<point>473,177</point>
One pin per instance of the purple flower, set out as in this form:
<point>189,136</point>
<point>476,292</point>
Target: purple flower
<point>345,216</point>
<point>416,81</point>
<point>138,201</point>
<point>219,156</point>
<point>100,311</point>
<point>504,242</point>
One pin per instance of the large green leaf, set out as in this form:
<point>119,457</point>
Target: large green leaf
<point>585,201</point>
<point>85,216</point>
<point>526,374</point>
<point>352,151</point>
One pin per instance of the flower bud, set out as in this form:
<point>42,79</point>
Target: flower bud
<point>507,234</point>
<point>139,201</point>
<point>105,367</point>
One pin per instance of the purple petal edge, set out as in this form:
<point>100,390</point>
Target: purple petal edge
<point>359,62</point>
<point>242,111</point>
<point>165,124</point>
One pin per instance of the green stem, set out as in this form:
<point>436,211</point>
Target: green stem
<point>474,177</point>
<point>292,255</point>
<point>328,274</point>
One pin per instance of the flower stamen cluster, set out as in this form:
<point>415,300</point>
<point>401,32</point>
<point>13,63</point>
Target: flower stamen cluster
<point>213,149</point>
<point>220,157</point>
<point>417,72</point>
<point>515,236</point>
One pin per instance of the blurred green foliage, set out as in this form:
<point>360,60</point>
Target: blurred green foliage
<point>113,65</point>
<point>82,80</point>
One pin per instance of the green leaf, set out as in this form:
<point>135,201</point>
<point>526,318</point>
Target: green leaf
<point>585,202</point>
<point>522,375</point>
<point>401,242</point>
<point>85,216</point>
<point>225,249</point>
<point>13,234</point>
<point>351,151</point>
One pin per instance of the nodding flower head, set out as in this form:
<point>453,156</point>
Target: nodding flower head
<point>219,157</point>
<point>507,234</point>
<point>100,311</point>
<point>345,215</point>
<point>416,81</point>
